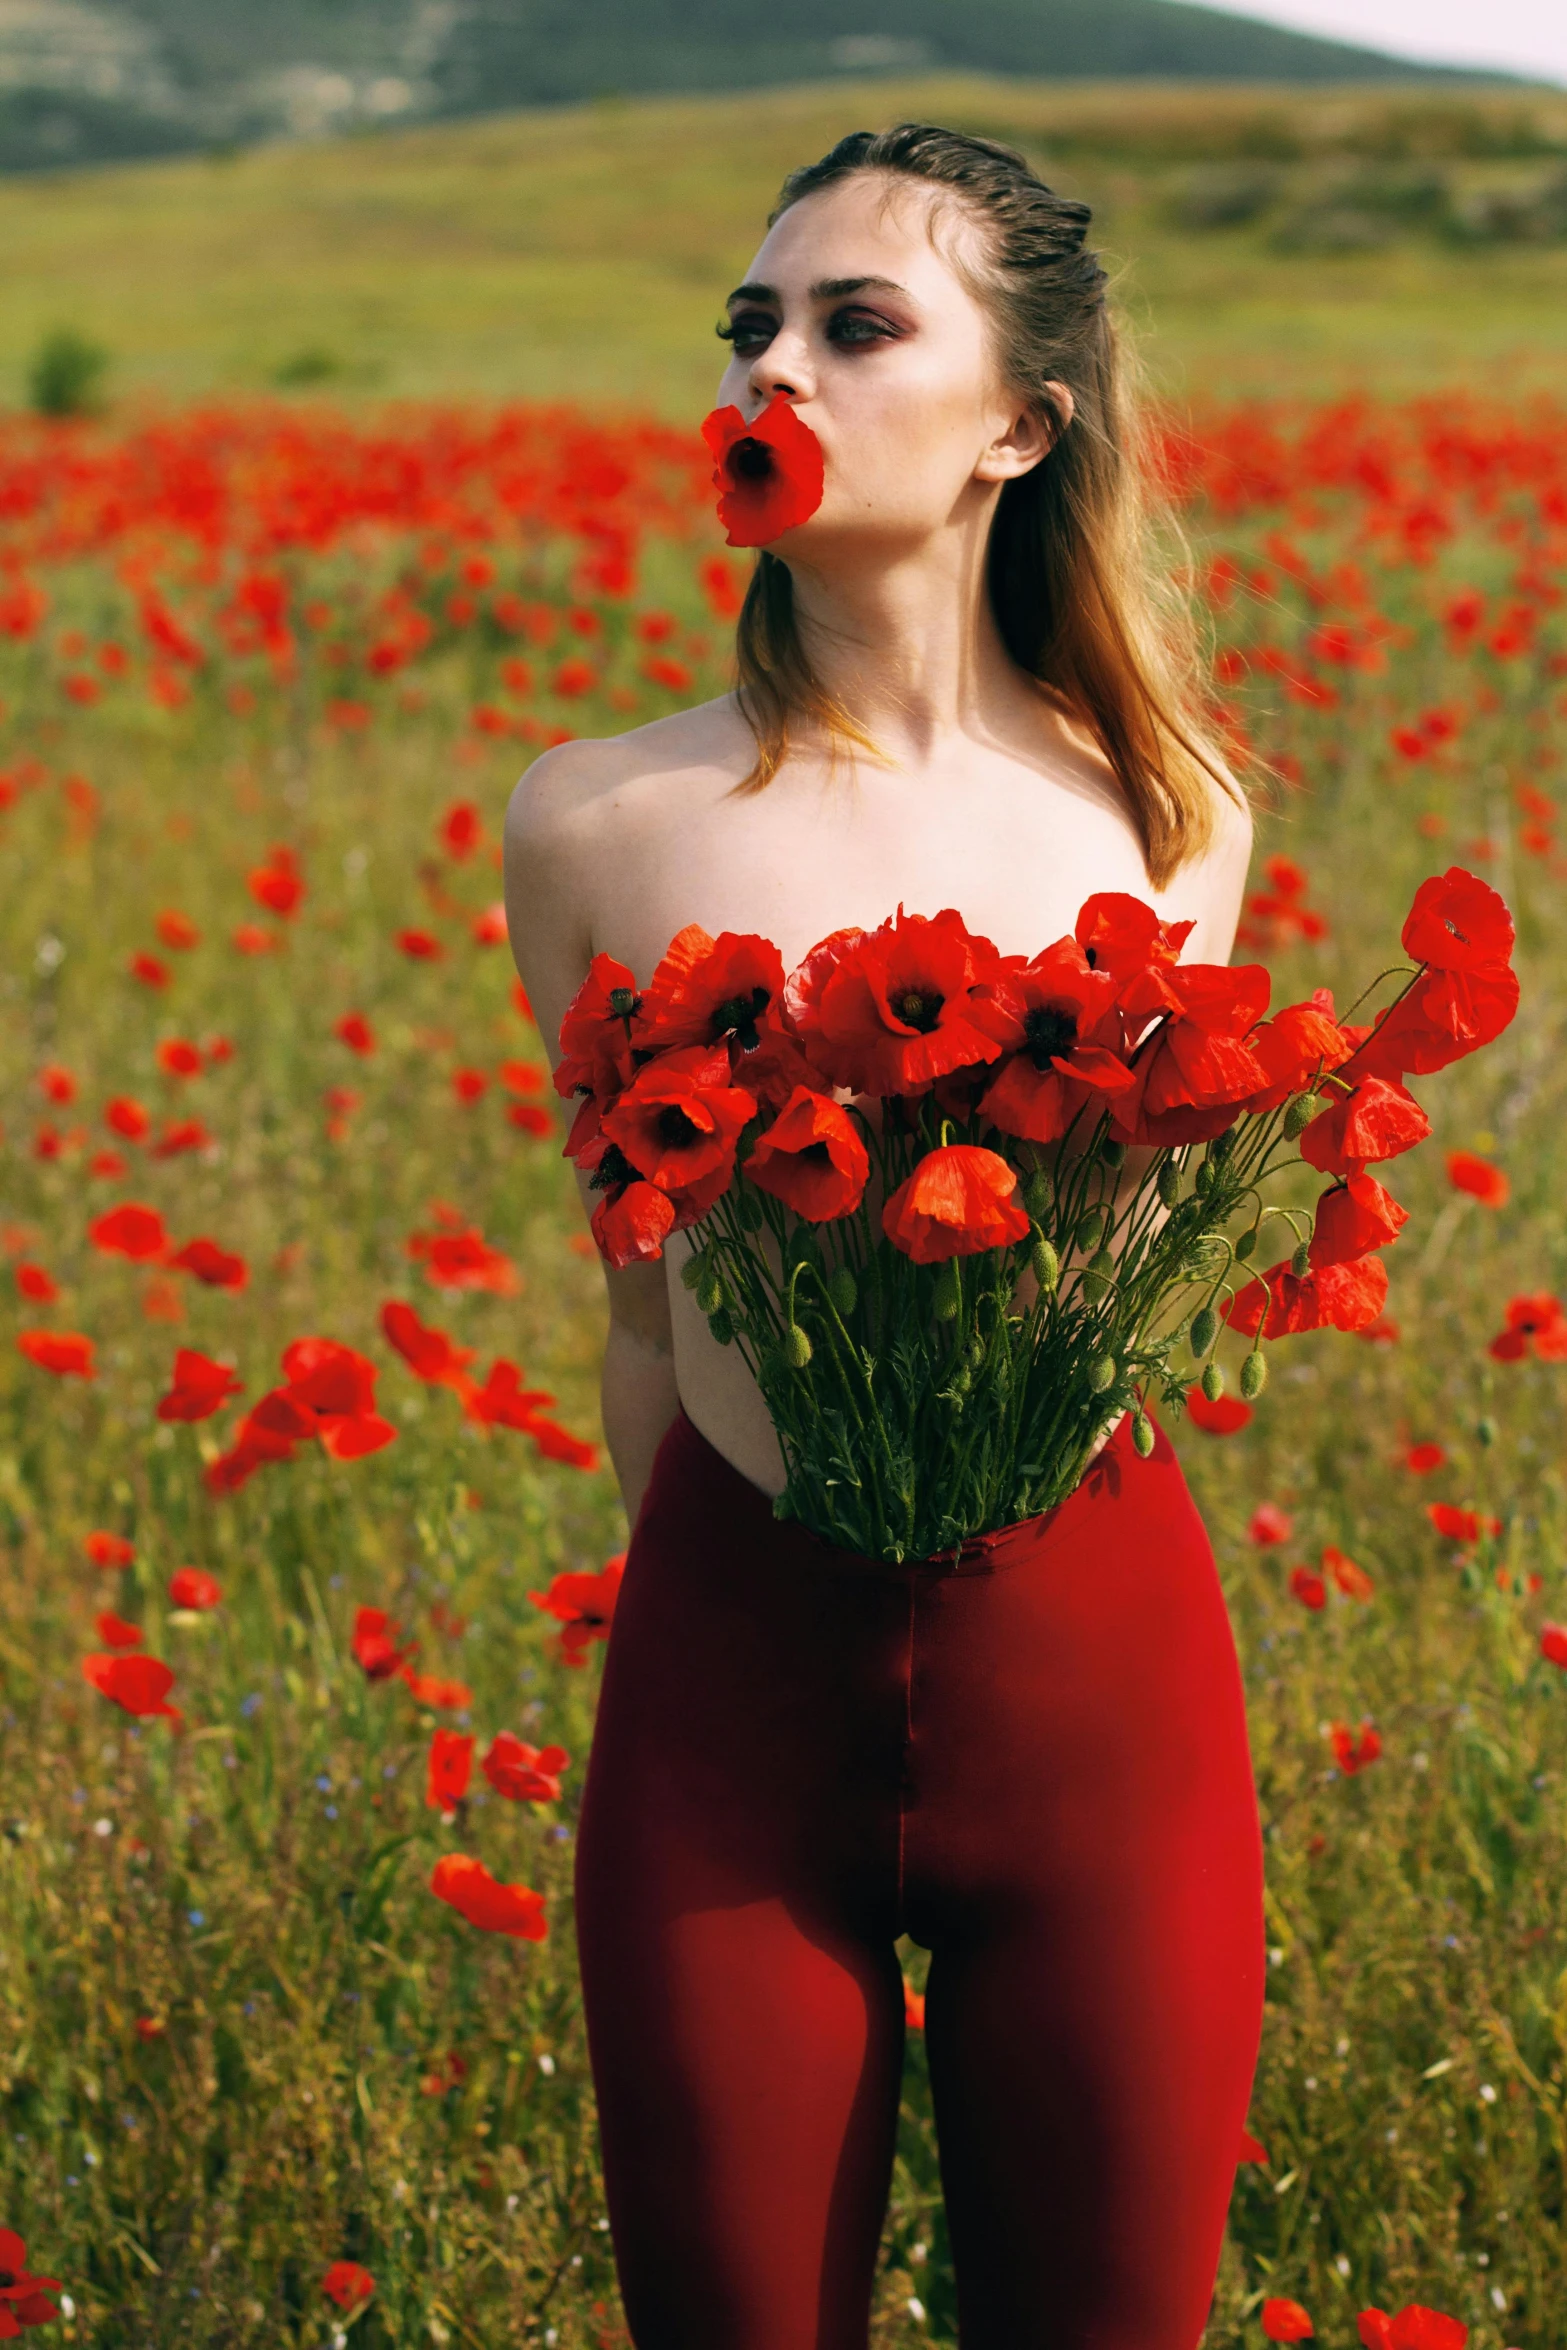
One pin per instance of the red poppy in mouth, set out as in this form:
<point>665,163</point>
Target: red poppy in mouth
<point>768,472</point>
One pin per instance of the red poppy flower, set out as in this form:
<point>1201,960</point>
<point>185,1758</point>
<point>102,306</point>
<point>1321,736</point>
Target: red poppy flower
<point>430,1690</point>
<point>503,1401</point>
<point>126,1116</point>
<point>1285,2321</point>
<point>249,938</point>
<point>584,1605</point>
<point>1483,1181</point>
<point>130,1231</point>
<point>595,1043</point>
<point>161,1301</point>
<point>1354,1754</point>
<point>200,1387</point>
<point>335,1386</point>
<point>1195,1071</point>
<point>375,1644</point>
<point>148,970</point>
<point>355,1031</point>
<point>460,830</point>
<point>1352,1580</point>
<point>107,1166</point>
<point>420,946</point>
<point>1458,923</point>
<point>1224,1417</point>
<point>278,884</point>
<point>177,931</point>
<point>1296,1047</point>
<point>215,1266</point>
<point>1308,1588</point>
<point>1414,2328</point>
<point>1553,1644</point>
<point>450,1767</point>
<point>1354,1218</point>
<point>1065,1036</point>
<point>524,1077</point>
<point>959,1201</point>
<point>523,1773</point>
<point>1461,1525</point>
<point>812,1158</point>
<point>558,1444</point>
<point>470,1085</point>
<point>709,991</point>
<point>35,1285</point>
<point>64,1352</point>
<point>1338,1297</point>
<point>465,1260</point>
<point>56,1083</point>
<point>428,1352</point>
<point>347,2284</point>
<point>186,1134</point>
<point>194,1588</point>
<point>23,2298</point>
<point>1124,936</point>
<point>109,1550</point>
<point>768,472</point>
<point>1423,1458</point>
<point>116,1631</point>
<point>138,1685</point>
<point>1535,1325</point>
<point>888,1011</point>
<point>678,1123</point>
<point>466,1884</point>
<point>1375,1120</point>
<point>1444,1015</point>
<point>1270,1524</point>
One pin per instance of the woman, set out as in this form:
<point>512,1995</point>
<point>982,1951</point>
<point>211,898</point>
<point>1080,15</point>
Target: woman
<point>952,693</point>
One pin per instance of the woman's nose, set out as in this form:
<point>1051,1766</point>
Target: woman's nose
<point>783,367</point>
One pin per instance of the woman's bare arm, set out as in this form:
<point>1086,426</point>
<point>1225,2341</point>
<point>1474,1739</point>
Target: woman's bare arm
<point>550,850</point>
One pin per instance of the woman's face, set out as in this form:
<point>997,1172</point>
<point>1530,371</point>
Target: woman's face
<point>853,311</point>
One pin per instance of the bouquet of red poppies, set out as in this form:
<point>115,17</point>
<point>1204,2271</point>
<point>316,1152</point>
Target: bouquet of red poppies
<point>959,1210</point>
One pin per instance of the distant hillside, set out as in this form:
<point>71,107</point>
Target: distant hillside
<point>85,81</point>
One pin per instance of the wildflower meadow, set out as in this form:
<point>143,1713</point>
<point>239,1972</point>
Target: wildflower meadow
<point>308,1544</point>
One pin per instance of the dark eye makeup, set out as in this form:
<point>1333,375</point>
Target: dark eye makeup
<point>750,331</point>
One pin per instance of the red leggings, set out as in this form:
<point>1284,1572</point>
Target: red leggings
<point>1033,1761</point>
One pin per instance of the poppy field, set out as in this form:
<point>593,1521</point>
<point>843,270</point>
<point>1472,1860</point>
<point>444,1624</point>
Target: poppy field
<point>308,1545</point>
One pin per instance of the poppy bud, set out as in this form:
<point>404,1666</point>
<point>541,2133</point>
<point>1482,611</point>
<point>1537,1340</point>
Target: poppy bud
<point>960,1383</point>
<point>1254,1374</point>
<point>1142,1434</point>
<point>1222,1144</point>
<point>622,1002</point>
<point>949,1292</point>
<point>1485,1429</point>
<point>1205,1329</point>
<point>844,1290</point>
<point>1038,1193</point>
<point>1091,1230</point>
<point>694,1267</point>
<point>1300,1262</point>
<point>1213,1382</point>
<point>1113,1154</point>
<point>1301,1111</point>
<point>1046,1264</point>
<point>1203,1180</point>
<point>1101,1374</point>
<point>1169,1182</point>
<point>709,1291</point>
<point>797,1347</point>
<point>1098,1275</point>
<point>1246,1246</point>
<point>722,1325</point>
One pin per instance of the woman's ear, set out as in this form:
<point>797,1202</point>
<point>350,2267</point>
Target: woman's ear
<point>1029,437</point>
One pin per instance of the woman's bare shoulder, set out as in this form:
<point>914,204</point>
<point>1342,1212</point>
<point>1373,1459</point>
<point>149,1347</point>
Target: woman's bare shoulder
<point>568,796</point>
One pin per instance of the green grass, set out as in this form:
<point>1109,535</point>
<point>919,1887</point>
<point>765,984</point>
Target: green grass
<point>585,252</point>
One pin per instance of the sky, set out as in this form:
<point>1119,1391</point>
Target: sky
<point>1521,36</point>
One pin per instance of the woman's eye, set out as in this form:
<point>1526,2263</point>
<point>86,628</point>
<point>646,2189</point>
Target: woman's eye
<point>752,331</point>
<point>859,326</point>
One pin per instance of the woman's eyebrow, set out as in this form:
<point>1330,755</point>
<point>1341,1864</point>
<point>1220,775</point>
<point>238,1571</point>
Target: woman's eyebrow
<point>826,289</point>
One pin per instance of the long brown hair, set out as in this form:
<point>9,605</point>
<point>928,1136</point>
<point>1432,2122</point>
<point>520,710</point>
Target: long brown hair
<point>1079,601</point>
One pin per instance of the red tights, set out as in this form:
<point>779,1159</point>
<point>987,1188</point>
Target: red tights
<point>1034,1763</point>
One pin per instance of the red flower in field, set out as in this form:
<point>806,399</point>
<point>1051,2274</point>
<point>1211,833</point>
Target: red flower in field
<point>278,885</point>
<point>709,991</point>
<point>130,1231</point>
<point>56,1084</point>
<point>199,1387</point>
<point>419,946</point>
<point>890,1010</point>
<point>1296,1047</point>
<point>1445,1014</point>
<point>1197,1068</point>
<point>584,1605</point>
<point>375,1647</point>
<point>23,2298</point>
<point>1414,2328</point>
<point>1461,1525</point>
<point>470,1085</point>
<point>1483,1181</point>
<point>503,1401</point>
<point>335,1387</point>
<point>440,1696</point>
<point>1354,1218</point>
<point>1286,2321</point>
<point>1225,1417</point>
<point>194,1588</point>
<point>180,1135</point>
<point>1308,1588</point>
<point>215,1266</point>
<point>524,1077</point>
<point>355,1031</point>
<point>149,2027</point>
<point>1376,1120</point>
<point>466,1884</point>
<point>1353,1581</point>
<point>1535,1325</point>
<point>558,1444</point>
<point>460,830</point>
<point>161,1301</point>
<point>959,1201</point>
<point>217,1050</point>
<point>1458,923</point>
<point>678,1123</point>
<point>812,1158</point>
<point>34,1284</point>
<point>1065,1034</point>
<point>148,970</point>
<point>1553,1644</point>
<point>138,1685</point>
<point>177,931</point>
<point>109,1550</point>
<point>523,1773</point>
<point>573,678</point>
<point>465,1260</point>
<point>450,1767</point>
<point>109,1166</point>
<point>1423,1458</point>
<point>249,938</point>
<point>489,929</point>
<point>64,1352</point>
<point>116,1631</point>
<point>768,472</point>
<point>1270,1524</point>
<point>347,2284</point>
<point>126,1116</point>
<point>1352,1753</point>
<point>1338,1297</point>
<point>428,1352</point>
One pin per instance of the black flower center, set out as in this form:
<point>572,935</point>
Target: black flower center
<point>751,460</point>
<point>815,1154</point>
<point>613,1171</point>
<point>737,1017</point>
<point>919,1008</point>
<point>1047,1031</point>
<point>675,1130</point>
